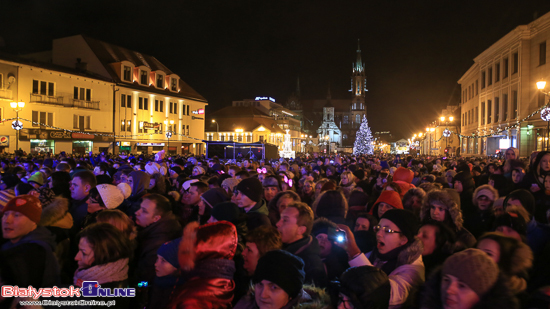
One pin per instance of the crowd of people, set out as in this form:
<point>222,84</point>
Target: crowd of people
<point>341,231</point>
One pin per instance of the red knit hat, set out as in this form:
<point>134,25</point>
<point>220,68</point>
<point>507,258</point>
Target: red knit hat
<point>391,198</point>
<point>28,205</point>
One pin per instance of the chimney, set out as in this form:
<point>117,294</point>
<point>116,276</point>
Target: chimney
<point>81,66</point>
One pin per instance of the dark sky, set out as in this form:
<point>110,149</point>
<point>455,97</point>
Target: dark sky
<point>414,51</point>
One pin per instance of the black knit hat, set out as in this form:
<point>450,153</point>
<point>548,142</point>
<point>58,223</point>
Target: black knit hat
<point>252,188</point>
<point>513,221</point>
<point>366,287</point>
<point>226,211</point>
<point>282,268</point>
<point>214,196</point>
<point>405,220</point>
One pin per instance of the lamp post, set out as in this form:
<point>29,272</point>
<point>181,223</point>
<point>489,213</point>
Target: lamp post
<point>545,113</point>
<point>328,144</point>
<point>168,133</point>
<point>17,107</point>
<point>217,128</point>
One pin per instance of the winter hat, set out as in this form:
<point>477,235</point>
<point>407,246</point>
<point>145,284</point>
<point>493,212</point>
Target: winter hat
<point>473,267</point>
<point>525,197</point>
<point>27,205</point>
<point>10,180</point>
<point>465,177</point>
<point>485,190</point>
<point>272,181</point>
<point>359,174</point>
<point>384,165</point>
<point>169,251</point>
<point>209,241</point>
<point>321,226</point>
<point>111,195</point>
<point>252,188</point>
<point>332,205</point>
<point>186,185</point>
<point>428,178</point>
<point>282,268</point>
<point>125,189</point>
<point>513,221</point>
<point>200,169</point>
<point>231,183</point>
<point>176,169</point>
<point>366,287</point>
<point>152,167</point>
<point>226,211</point>
<point>391,198</point>
<point>403,174</point>
<point>214,196</point>
<point>101,179</point>
<point>405,220</point>
<point>37,178</point>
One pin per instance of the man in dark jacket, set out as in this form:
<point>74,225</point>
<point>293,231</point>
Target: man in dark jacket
<point>249,199</point>
<point>81,184</point>
<point>157,225</point>
<point>28,256</point>
<point>139,182</point>
<point>295,228</point>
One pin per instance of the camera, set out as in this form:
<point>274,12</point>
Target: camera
<point>336,235</point>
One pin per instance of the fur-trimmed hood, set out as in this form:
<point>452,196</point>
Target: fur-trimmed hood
<point>57,214</point>
<point>411,253</point>
<point>498,297</point>
<point>451,205</point>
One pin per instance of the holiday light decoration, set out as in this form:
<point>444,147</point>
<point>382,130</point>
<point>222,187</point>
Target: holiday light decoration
<point>363,139</point>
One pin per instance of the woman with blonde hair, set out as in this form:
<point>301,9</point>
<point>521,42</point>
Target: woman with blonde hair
<point>347,183</point>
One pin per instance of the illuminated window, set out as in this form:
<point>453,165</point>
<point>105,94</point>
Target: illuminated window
<point>174,84</point>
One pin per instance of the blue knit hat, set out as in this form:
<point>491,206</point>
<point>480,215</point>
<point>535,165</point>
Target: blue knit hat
<point>169,251</point>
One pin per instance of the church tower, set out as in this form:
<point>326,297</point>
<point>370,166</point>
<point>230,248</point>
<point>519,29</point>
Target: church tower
<point>328,131</point>
<point>358,107</point>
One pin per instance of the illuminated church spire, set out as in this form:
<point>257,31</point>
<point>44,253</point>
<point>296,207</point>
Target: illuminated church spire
<point>358,67</point>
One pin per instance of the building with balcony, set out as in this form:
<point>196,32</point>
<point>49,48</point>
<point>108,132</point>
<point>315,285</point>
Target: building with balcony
<point>56,99</point>
<point>499,91</point>
<point>147,98</point>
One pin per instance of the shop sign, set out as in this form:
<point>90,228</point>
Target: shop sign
<point>4,140</point>
<point>27,134</point>
<point>150,144</point>
<point>193,118</point>
<point>149,126</point>
<point>199,111</point>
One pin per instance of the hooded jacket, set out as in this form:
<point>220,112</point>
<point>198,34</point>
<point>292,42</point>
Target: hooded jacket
<point>257,216</point>
<point>32,260</point>
<point>57,219</point>
<point>149,239</point>
<point>406,278</point>
<point>139,189</point>
<point>404,177</point>
<point>308,250</point>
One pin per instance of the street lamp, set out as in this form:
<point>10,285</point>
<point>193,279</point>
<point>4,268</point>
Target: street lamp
<point>544,113</point>
<point>17,107</point>
<point>217,128</point>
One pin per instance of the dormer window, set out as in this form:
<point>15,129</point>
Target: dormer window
<point>143,76</point>
<point>160,81</point>
<point>174,86</point>
<point>127,74</point>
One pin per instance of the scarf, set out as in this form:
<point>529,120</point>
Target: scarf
<point>390,259</point>
<point>105,273</point>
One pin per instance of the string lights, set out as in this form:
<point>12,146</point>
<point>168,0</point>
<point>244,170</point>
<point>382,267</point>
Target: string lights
<point>99,134</point>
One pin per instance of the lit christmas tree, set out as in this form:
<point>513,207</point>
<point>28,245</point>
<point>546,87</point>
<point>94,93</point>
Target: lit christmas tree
<point>363,139</point>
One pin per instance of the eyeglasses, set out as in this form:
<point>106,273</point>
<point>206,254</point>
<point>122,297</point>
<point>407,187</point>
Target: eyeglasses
<point>385,229</point>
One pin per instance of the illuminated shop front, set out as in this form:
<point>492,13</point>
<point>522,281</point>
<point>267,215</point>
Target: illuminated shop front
<point>42,146</point>
<point>82,147</point>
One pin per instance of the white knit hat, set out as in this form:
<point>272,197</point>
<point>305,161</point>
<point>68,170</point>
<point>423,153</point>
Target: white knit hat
<point>111,195</point>
<point>125,189</point>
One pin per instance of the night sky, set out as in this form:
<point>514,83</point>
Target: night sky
<point>414,51</point>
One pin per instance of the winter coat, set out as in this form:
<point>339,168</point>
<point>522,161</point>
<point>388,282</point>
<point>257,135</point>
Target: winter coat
<point>406,278</point>
<point>498,297</point>
<point>542,199</point>
<point>308,250</point>
<point>257,216</point>
<point>79,211</point>
<point>479,222</point>
<point>310,297</point>
<point>210,286</point>
<point>31,260</point>
<point>149,239</point>
<point>57,219</point>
